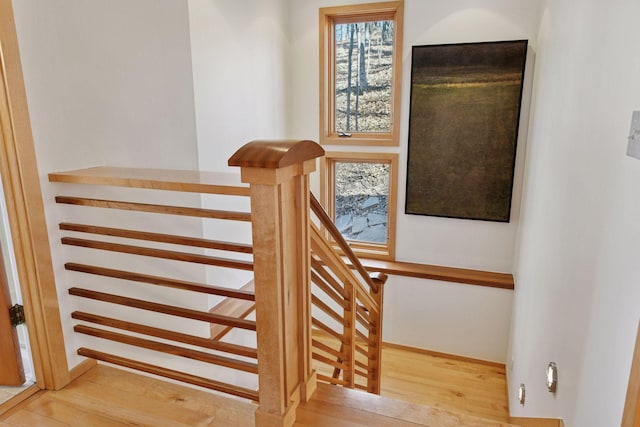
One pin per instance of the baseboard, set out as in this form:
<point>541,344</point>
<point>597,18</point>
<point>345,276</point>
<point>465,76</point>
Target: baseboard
<point>444,355</point>
<point>537,422</point>
<point>81,369</point>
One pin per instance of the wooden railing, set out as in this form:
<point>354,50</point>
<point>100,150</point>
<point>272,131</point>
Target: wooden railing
<point>347,303</point>
<point>113,287</point>
<point>313,309</point>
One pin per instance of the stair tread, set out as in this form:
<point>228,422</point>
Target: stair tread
<point>332,406</point>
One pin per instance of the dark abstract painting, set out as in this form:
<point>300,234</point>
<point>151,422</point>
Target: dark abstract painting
<point>463,129</point>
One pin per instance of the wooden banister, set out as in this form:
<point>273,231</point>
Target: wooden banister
<point>327,223</point>
<point>278,175</point>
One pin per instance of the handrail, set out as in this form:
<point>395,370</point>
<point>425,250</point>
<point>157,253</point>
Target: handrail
<point>350,276</point>
<point>326,221</point>
<point>353,351</point>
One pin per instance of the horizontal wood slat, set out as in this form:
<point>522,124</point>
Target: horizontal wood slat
<point>362,351</point>
<point>158,237</point>
<point>165,334</point>
<point>361,365</point>
<point>168,348</point>
<point>326,222</point>
<point>233,308</point>
<point>330,380</point>
<point>328,256</point>
<point>327,361</point>
<point>156,179</point>
<point>322,272</point>
<point>320,283</point>
<point>161,209</point>
<point>321,346</point>
<point>163,308</point>
<point>318,324</point>
<point>169,373</point>
<point>361,373</point>
<point>361,336</point>
<point>161,281</point>
<point>158,253</point>
<point>326,309</point>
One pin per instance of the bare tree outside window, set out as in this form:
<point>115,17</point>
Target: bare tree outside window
<point>363,76</point>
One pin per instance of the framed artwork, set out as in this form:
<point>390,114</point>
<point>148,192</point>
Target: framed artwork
<point>463,129</point>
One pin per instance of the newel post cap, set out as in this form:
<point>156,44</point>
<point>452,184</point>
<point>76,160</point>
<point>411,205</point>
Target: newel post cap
<point>275,154</point>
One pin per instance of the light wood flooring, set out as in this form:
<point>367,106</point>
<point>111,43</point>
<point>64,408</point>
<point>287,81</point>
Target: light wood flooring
<point>456,385</point>
<point>109,397</point>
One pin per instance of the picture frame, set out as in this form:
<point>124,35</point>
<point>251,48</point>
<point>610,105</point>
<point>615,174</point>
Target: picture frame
<point>463,129</point>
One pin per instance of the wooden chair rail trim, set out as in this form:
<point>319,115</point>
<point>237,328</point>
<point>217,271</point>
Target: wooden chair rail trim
<point>158,237</point>
<point>334,381</point>
<point>170,373</point>
<point>161,209</point>
<point>328,349</point>
<point>445,274</point>
<point>161,281</point>
<point>158,253</point>
<point>275,154</point>
<point>326,222</point>
<point>156,179</point>
<point>166,334</point>
<point>168,349</point>
<point>163,308</point>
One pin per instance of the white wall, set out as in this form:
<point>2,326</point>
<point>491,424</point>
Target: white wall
<point>239,77</point>
<point>108,83</point>
<point>577,295</point>
<point>239,74</point>
<point>450,242</point>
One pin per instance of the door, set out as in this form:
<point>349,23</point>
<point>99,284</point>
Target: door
<point>11,369</point>
<point>631,416</point>
<point>27,225</point>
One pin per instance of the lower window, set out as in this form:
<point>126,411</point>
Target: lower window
<point>359,192</point>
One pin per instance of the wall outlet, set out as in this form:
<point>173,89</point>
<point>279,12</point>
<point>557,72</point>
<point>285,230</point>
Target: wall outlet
<point>633,149</point>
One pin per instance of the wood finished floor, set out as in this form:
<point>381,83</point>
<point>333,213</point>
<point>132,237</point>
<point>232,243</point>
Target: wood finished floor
<point>455,385</point>
<point>109,397</point>
<point>467,387</point>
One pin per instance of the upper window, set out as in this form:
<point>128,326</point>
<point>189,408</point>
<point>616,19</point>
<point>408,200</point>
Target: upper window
<point>360,74</point>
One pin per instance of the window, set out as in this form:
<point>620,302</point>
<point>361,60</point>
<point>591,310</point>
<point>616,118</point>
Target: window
<point>359,191</point>
<point>360,76</point>
<point>360,47</point>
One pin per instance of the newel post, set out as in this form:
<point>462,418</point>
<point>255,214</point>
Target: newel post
<point>278,174</point>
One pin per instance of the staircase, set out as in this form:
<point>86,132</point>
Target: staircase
<point>304,280</point>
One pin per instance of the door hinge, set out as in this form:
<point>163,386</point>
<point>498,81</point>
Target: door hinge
<point>16,313</point>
